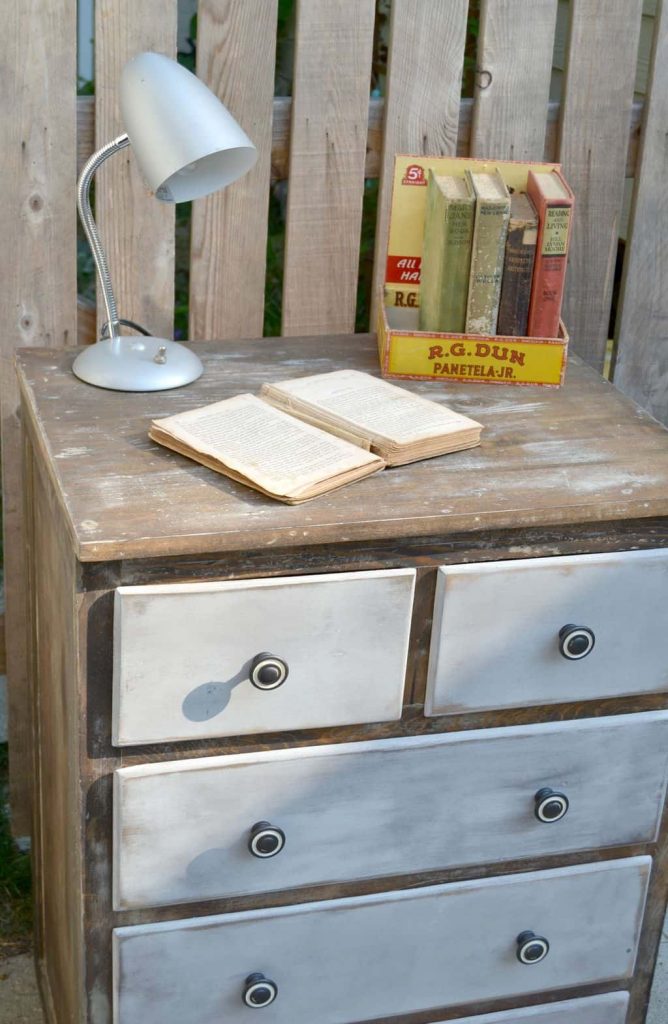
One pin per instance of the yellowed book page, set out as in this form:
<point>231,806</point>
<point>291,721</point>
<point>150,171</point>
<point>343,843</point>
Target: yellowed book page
<point>273,450</point>
<point>378,410</point>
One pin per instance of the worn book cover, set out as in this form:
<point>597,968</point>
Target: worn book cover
<point>305,437</point>
<point>446,256</point>
<point>518,266</point>
<point>492,209</point>
<point>553,200</point>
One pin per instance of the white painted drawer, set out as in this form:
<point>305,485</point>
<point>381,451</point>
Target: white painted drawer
<point>607,1009</point>
<point>376,956</point>
<point>182,830</point>
<point>495,639</point>
<point>183,654</point>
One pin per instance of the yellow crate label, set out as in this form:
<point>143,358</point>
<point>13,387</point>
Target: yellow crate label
<point>470,358</point>
<point>555,233</point>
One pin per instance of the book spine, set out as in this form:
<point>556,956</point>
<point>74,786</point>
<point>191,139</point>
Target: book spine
<point>549,276</point>
<point>489,240</point>
<point>517,278</point>
<point>446,262</point>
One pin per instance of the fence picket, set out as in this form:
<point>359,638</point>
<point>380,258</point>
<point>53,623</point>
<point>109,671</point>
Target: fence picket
<point>595,116</point>
<point>424,84</point>
<point>137,231</point>
<point>514,66</point>
<point>330,105</point>
<point>38,294</point>
<point>642,360</point>
<point>236,53</point>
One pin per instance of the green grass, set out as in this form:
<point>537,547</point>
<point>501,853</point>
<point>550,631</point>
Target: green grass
<point>15,886</point>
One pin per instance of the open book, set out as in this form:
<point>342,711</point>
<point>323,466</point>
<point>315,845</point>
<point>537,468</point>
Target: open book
<point>306,436</point>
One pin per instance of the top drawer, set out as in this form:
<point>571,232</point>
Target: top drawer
<point>185,655</point>
<point>499,636</point>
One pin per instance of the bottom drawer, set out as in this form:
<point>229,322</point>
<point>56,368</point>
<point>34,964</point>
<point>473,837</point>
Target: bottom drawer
<point>607,1009</point>
<point>386,954</point>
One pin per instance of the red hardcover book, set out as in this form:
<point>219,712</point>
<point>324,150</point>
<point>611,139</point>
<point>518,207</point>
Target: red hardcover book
<point>553,200</point>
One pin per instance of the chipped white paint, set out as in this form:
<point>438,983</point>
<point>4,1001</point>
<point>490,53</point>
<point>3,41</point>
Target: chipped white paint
<point>356,959</point>
<point>403,818</point>
<point>607,1009</point>
<point>495,639</point>
<point>182,654</point>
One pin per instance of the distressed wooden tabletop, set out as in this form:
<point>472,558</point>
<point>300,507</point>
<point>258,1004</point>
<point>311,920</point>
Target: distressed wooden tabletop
<point>578,454</point>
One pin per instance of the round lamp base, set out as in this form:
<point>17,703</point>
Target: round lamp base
<point>137,363</point>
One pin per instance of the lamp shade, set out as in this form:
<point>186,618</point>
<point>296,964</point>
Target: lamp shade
<point>185,142</point>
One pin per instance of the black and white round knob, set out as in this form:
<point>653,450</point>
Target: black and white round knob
<point>268,672</point>
<point>576,642</point>
<point>550,805</point>
<point>531,948</point>
<point>259,991</point>
<point>265,840</point>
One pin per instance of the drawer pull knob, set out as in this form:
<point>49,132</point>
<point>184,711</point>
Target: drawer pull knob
<point>531,948</point>
<point>266,840</point>
<point>259,991</point>
<point>576,642</point>
<point>268,672</point>
<point>550,805</point>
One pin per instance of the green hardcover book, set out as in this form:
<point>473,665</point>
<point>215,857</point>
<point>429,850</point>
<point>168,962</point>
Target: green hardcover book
<point>492,210</point>
<point>446,254</point>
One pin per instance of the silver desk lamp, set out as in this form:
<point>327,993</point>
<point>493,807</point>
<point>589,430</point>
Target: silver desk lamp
<point>187,145</point>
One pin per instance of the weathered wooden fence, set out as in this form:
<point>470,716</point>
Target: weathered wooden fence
<point>325,140</point>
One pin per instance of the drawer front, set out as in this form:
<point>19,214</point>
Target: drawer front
<point>496,634</point>
<point>606,1009</point>
<point>184,830</point>
<point>376,956</point>
<point>184,655</point>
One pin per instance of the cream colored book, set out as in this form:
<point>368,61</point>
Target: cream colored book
<point>304,437</point>
<point>396,424</point>
<point>260,446</point>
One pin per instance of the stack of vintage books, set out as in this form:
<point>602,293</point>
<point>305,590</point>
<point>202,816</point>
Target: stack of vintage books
<point>494,262</point>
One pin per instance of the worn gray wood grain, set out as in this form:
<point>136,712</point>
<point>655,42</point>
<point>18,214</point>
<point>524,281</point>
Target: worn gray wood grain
<point>348,958</point>
<point>514,66</point>
<point>548,457</point>
<point>594,125</point>
<point>384,808</point>
<point>332,73</point>
<point>38,293</point>
<point>424,84</point>
<point>642,337</point>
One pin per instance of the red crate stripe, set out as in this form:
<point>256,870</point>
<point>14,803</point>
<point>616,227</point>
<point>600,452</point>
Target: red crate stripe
<point>403,270</point>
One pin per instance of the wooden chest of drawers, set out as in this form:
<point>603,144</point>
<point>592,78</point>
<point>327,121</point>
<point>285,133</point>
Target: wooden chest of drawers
<point>398,754</point>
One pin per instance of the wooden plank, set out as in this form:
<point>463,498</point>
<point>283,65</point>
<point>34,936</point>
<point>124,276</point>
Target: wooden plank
<point>642,337</point>
<point>57,856</point>
<point>184,970</point>
<point>164,693</point>
<point>136,230</point>
<point>596,110</point>
<point>280,142</point>
<point>616,596</point>
<point>424,78</point>
<point>617,474</point>
<point>38,295</point>
<point>236,53</point>
<point>612,770</point>
<point>327,152</point>
<point>605,1009</point>
<point>513,79</point>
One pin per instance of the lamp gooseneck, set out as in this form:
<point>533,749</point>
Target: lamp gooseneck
<point>90,227</point>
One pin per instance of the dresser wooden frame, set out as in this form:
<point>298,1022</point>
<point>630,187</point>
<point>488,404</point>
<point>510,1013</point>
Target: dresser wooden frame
<point>92,480</point>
